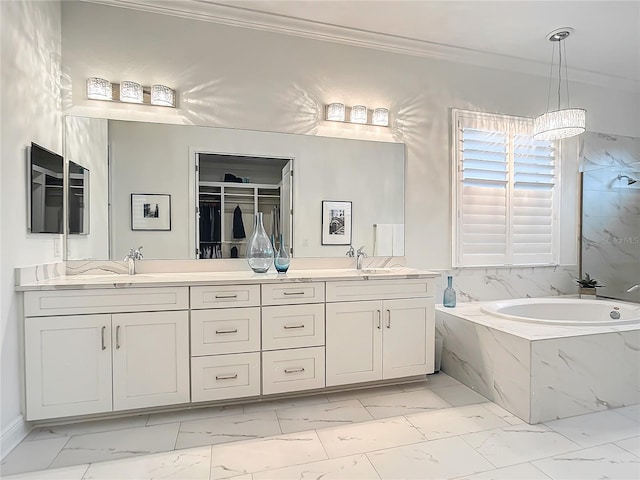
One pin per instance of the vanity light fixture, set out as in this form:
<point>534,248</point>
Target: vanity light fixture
<point>338,112</point>
<point>562,122</point>
<point>130,92</point>
<point>99,89</point>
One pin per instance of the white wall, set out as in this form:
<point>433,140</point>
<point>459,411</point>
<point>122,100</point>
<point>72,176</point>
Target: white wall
<point>86,143</point>
<point>155,158</point>
<point>30,111</point>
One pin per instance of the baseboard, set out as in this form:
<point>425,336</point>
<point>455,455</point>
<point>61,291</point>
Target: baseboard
<point>13,435</point>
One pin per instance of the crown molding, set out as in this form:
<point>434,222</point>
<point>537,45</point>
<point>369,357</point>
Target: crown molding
<point>245,18</point>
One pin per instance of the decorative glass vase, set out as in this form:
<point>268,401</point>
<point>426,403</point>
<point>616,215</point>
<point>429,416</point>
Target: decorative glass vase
<point>449,298</point>
<point>282,259</point>
<point>259,247</point>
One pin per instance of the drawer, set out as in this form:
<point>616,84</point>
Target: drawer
<point>292,326</point>
<point>223,296</point>
<point>292,293</point>
<point>292,370</point>
<point>219,377</point>
<point>379,290</point>
<point>135,299</point>
<point>225,330</point>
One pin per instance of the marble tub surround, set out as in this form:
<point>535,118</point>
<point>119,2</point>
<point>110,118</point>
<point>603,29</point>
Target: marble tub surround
<point>194,272</point>
<point>541,372</point>
<point>476,284</point>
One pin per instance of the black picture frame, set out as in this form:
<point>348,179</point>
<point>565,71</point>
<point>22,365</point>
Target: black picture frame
<point>336,222</point>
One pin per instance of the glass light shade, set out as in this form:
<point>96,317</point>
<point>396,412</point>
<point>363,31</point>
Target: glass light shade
<point>130,92</point>
<point>559,124</point>
<point>99,89</point>
<point>358,114</point>
<point>380,117</point>
<point>163,96</point>
<point>335,112</point>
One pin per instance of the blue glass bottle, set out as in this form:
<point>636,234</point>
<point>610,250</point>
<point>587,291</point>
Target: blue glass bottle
<point>282,259</point>
<point>449,298</point>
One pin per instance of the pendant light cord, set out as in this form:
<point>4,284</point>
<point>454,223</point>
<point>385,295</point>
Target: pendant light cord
<point>559,71</point>
<point>566,74</point>
<point>553,51</point>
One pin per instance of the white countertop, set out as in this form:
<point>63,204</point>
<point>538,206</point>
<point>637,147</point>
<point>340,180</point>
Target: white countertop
<point>86,281</point>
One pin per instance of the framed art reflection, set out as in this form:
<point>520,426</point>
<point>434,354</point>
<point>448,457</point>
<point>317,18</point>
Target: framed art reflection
<point>336,222</point>
<point>150,211</point>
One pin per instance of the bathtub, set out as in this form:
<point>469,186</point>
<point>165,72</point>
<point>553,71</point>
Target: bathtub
<point>546,358</point>
<point>564,311</point>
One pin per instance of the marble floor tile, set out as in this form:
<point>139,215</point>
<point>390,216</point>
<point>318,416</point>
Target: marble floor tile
<point>524,471</point>
<point>507,416</point>
<point>34,455</point>
<point>435,380</point>
<point>449,422</point>
<point>81,428</point>
<point>329,414</point>
<point>436,459</point>
<point>212,431</point>
<point>603,461</point>
<point>596,428</point>
<point>519,444</point>
<point>363,393</point>
<point>266,454</point>
<point>405,403</point>
<point>459,395</point>
<point>366,437</point>
<point>194,414</point>
<point>66,473</point>
<point>356,467</point>
<point>285,403</point>
<point>630,445</point>
<point>98,447</point>
<point>189,464</point>
<point>632,412</point>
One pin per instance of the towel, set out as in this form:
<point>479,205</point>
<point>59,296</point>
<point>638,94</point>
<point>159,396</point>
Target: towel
<point>398,240</point>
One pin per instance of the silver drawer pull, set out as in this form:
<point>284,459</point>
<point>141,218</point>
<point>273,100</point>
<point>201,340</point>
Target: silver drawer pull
<point>379,318</point>
<point>227,296</point>
<point>218,332</point>
<point>104,347</point>
<point>117,337</point>
<point>288,327</point>
<point>388,318</point>
<point>226,377</point>
<point>293,293</point>
<point>294,370</point>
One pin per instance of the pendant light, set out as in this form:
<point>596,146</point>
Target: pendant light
<point>563,122</point>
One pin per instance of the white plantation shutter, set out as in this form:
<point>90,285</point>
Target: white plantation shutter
<point>505,192</point>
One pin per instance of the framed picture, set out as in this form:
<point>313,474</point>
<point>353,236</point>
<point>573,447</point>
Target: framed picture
<point>150,211</point>
<point>336,223</point>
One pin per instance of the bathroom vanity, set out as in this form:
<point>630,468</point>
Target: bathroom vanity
<point>95,344</point>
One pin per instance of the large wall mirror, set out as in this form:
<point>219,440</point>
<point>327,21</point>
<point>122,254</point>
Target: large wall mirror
<point>611,213</point>
<point>158,160</point>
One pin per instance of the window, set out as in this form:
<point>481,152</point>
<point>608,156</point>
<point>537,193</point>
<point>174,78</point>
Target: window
<point>506,193</point>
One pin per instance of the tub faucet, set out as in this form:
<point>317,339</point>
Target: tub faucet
<point>133,255</point>
<point>359,256</point>
<point>633,288</point>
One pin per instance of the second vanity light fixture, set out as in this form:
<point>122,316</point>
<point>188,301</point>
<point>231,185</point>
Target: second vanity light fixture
<point>130,92</point>
<point>338,112</point>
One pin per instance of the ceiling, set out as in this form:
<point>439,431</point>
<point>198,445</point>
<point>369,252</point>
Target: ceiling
<point>604,48</point>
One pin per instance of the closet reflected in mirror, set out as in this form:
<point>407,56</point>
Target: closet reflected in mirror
<point>231,190</point>
<point>78,199</point>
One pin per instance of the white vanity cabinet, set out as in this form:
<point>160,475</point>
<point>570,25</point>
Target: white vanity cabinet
<point>76,364</point>
<point>225,342</point>
<point>390,337</point>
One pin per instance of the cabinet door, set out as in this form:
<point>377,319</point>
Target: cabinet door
<point>67,365</point>
<point>353,342</point>
<point>409,336</point>
<point>150,359</point>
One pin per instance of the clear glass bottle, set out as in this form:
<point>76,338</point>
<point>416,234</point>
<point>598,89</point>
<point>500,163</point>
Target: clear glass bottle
<point>282,259</point>
<point>449,298</point>
<point>259,247</point>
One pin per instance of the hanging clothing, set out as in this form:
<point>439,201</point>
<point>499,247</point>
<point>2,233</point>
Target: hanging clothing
<point>238,225</point>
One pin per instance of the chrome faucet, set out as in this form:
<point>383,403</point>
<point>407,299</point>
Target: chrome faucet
<point>359,256</point>
<point>133,255</point>
<point>351,252</point>
<point>633,288</point>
